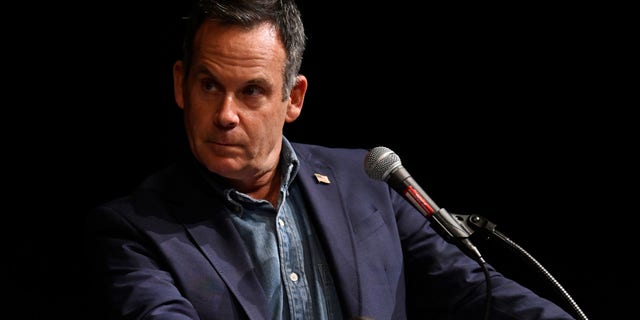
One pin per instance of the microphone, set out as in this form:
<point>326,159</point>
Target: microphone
<point>383,164</point>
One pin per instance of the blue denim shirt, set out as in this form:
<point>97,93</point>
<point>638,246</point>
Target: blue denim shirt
<point>284,249</point>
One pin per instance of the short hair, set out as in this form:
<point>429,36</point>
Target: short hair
<point>284,15</point>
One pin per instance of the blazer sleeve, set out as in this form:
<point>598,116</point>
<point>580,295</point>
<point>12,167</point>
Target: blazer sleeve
<point>130,280</point>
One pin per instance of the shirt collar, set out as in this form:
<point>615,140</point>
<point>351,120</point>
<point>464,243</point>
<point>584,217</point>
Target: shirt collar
<point>289,163</point>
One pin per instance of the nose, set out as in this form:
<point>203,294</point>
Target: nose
<point>227,113</point>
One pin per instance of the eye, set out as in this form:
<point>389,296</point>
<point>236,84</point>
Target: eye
<point>253,91</point>
<point>209,85</point>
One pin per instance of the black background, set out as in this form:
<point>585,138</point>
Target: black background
<point>520,113</point>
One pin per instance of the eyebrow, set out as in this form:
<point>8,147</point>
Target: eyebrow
<point>264,82</point>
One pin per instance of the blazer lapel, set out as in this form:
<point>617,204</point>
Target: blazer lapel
<point>206,220</point>
<point>325,203</point>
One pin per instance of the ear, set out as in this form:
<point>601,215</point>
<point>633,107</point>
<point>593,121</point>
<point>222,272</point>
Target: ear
<point>296,99</point>
<point>178,86</point>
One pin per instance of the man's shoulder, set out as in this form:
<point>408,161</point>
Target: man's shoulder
<point>343,161</point>
<point>309,150</point>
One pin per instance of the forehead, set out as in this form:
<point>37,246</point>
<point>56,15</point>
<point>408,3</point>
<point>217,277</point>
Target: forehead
<point>260,42</point>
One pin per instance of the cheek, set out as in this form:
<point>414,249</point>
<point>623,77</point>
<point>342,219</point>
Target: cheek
<point>197,118</point>
<point>264,127</point>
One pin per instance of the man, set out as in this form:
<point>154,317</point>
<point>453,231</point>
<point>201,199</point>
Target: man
<point>252,226</point>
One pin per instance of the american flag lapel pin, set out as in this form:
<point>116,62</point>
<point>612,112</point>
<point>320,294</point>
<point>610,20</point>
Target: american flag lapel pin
<point>321,178</point>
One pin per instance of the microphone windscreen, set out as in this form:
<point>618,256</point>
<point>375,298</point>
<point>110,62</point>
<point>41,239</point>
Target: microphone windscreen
<point>380,162</point>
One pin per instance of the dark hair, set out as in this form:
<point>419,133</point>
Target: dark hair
<point>283,14</point>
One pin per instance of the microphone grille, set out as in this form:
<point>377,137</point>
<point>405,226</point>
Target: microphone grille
<point>380,162</point>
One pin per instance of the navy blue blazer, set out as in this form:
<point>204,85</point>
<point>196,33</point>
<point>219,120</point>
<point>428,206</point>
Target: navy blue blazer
<point>170,251</point>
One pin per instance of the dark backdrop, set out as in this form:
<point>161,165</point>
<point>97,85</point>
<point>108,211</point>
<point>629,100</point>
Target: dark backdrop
<point>518,113</point>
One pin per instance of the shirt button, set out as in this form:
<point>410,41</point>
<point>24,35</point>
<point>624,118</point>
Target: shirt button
<point>293,276</point>
<point>281,222</point>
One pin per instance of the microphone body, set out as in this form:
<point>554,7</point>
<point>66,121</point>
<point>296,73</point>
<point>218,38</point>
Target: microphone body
<point>383,164</point>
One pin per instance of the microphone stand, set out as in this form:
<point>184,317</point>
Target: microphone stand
<point>478,223</point>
